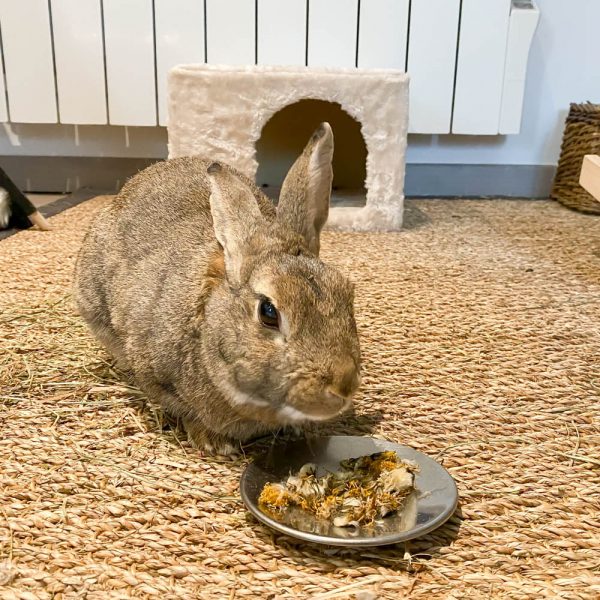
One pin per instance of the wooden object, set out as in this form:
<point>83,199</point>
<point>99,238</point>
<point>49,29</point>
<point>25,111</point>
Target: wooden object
<point>590,175</point>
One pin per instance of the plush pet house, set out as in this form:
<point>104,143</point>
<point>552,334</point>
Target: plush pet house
<point>220,111</point>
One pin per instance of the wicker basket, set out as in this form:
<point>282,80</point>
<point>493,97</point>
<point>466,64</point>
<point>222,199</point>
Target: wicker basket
<point>581,137</point>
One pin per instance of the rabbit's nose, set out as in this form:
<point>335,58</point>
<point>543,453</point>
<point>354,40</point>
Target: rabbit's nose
<point>345,379</point>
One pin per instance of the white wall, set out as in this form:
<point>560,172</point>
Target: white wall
<point>564,67</point>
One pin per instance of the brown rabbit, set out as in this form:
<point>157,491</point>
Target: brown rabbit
<point>218,303</point>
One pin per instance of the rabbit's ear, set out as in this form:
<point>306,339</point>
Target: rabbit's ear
<point>304,200</point>
<point>235,214</point>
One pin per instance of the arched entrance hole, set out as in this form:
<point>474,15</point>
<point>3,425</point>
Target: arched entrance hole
<point>286,133</point>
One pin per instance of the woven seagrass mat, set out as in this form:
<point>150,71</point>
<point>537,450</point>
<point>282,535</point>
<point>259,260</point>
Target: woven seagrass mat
<point>480,329</point>
<point>581,137</point>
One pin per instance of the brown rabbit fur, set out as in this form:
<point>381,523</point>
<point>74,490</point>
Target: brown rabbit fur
<point>173,276</point>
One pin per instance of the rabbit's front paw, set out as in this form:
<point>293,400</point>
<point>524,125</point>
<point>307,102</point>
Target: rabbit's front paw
<point>209,442</point>
<point>222,448</point>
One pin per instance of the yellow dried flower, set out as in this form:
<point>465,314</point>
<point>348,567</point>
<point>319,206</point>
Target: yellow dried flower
<point>367,488</point>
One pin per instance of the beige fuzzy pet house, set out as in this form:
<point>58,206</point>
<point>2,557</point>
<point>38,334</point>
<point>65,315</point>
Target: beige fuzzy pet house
<point>220,111</point>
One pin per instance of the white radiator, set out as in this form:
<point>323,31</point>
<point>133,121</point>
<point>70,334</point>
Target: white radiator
<point>105,61</point>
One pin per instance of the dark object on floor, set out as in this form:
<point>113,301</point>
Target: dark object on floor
<point>58,206</point>
<point>581,137</point>
<point>16,211</point>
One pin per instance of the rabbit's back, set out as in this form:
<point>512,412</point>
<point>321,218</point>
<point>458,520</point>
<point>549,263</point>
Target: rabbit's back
<point>139,269</point>
<point>168,203</point>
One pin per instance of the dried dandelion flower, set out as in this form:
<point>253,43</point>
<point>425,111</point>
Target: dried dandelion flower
<point>398,480</point>
<point>328,506</point>
<point>275,496</point>
<point>366,488</point>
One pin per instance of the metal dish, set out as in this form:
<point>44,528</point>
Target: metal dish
<point>431,505</point>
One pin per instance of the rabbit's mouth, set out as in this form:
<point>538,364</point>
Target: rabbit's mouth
<point>287,413</point>
<point>293,406</point>
<point>291,414</point>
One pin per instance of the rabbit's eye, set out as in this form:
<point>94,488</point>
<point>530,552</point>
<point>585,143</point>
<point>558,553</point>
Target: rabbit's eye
<point>268,314</point>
